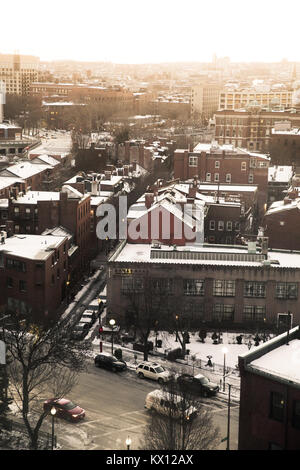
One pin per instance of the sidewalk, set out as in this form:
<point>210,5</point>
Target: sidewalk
<point>132,358</point>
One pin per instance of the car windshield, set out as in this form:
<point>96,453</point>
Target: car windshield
<point>158,370</point>
<point>204,380</point>
<point>69,406</point>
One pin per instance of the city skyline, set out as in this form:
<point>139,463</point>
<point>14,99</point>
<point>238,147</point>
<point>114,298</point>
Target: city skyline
<point>136,32</point>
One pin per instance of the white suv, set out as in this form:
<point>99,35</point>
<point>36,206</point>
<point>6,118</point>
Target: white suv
<point>154,371</point>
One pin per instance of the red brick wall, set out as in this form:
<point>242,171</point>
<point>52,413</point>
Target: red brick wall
<point>256,428</point>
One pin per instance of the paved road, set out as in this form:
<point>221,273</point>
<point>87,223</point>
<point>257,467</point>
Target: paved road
<point>114,405</point>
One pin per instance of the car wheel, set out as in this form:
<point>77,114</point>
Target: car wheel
<point>141,375</point>
<point>160,381</point>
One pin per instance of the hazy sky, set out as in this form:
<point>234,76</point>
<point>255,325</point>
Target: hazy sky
<point>141,31</point>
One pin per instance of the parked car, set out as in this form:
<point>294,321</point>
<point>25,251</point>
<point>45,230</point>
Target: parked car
<point>80,330</point>
<point>89,316</point>
<point>168,404</point>
<point>199,384</point>
<point>154,371</point>
<point>140,346</point>
<point>65,409</point>
<point>110,362</point>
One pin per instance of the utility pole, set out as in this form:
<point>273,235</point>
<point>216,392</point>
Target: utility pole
<point>228,418</point>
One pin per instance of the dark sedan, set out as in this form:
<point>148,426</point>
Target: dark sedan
<point>65,409</point>
<point>110,362</point>
<point>198,384</point>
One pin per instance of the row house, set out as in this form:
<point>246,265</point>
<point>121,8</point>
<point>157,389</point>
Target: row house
<point>33,275</point>
<point>226,164</point>
<point>36,211</point>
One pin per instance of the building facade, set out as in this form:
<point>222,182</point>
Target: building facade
<point>17,72</point>
<point>221,286</point>
<point>270,395</point>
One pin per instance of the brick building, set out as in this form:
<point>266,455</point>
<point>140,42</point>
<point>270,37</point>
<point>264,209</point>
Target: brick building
<point>224,286</point>
<point>36,176</point>
<point>282,222</point>
<point>285,144</point>
<point>250,128</point>
<point>270,395</point>
<point>36,211</point>
<point>33,274</point>
<point>224,164</point>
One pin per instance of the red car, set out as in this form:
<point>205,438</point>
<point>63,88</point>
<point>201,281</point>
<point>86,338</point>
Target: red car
<point>65,409</point>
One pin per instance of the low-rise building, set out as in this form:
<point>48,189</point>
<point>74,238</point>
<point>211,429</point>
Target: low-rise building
<point>223,286</point>
<point>269,416</point>
<point>33,273</point>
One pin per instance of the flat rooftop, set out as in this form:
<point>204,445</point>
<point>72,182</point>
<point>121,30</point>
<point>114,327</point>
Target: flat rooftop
<point>222,255</point>
<point>35,247</point>
<point>283,362</point>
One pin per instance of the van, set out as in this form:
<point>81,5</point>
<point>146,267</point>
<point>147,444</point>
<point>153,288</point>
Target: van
<point>167,404</point>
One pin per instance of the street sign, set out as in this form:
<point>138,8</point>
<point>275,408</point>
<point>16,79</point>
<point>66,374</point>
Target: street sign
<point>2,353</point>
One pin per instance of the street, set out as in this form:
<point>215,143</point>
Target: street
<point>114,405</point>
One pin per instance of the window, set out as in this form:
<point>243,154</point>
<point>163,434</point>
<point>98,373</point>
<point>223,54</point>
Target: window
<point>286,290</point>
<point>237,227</point>
<point>229,226</point>
<point>9,282</point>
<point>277,405</point>
<point>217,164</point>
<point>221,225</point>
<point>250,178</point>
<point>131,284</point>
<point>224,288</point>
<point>208,177</point>
<point>22,286</point>
<point>193,287</point>
<point>228,178</point>
<point>16,210</point>
<point>163,285</point>
<point>193,161</point>
<point>212,225</point>
<point>16,264</point>
<point>223,312</point>
<point>296,414</point>
<point>217,177</point>
<point>254,313</point>
<point>255,289</point>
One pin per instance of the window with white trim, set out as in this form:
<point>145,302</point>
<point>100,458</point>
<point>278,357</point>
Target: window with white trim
<point>208,177</point>
<point>228,178</point>
<point>221,225</point>
<point>193,161</point>
<point>212,225</point>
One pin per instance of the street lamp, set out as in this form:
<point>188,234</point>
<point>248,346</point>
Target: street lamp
<point>177,317</point>
<point>53,413</point>
<point>112,323</point>
<point>128,442</point>
<point>225,351</point>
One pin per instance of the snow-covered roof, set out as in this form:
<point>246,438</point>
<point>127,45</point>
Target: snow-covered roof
<point>280,174</point>
<point>283,362</point>
<point>47,159</point>
<point>24,169</point>
<point>38,247</point>
<point>6,181</point>
<point>206,255</point>
<point>281,206</point>
<point>32,197</point>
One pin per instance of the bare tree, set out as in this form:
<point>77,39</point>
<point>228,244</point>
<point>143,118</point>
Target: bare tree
<point>173,428</point>
<point>41,360</point>
<point>145,311</point>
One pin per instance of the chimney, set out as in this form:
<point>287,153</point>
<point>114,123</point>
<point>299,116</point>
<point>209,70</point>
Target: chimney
<point>192,191</point>
<point>149,199</point>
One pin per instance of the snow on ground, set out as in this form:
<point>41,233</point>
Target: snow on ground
<point>202,350</point>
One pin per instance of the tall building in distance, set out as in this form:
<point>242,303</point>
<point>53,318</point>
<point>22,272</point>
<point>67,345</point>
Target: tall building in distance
<point>205,99</point>
<point>17,72</point>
